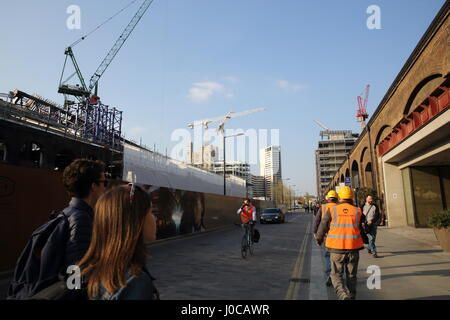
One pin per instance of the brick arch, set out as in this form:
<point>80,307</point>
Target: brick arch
<point>417,90</point>
<point>384,129</point>
<point>363,153</point>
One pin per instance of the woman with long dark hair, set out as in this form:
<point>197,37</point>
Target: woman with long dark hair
<point>114,266</point>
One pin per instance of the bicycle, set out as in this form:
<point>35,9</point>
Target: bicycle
<point>247,242</point>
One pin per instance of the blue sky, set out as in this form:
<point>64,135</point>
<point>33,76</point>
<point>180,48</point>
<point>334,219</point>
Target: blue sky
<point>194,59</point>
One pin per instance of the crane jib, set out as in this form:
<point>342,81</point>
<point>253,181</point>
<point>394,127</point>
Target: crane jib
<point>119,43</point>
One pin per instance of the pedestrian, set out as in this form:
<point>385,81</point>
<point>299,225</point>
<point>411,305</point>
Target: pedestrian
<point>372,214</point>
<point>331,199</point>
<point>85,181</point>
<point>114,266</point>
<point>344,225</point>
<point>65,238</point>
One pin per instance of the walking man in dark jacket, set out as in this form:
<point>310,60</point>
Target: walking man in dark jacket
<point>371,212</point>
<point>85,181</point>
<point>344,225</point>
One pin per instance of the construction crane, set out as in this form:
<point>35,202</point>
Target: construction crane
<point>322,125</point>
<point>361,113</point>
<point>220,129</point>
<point>223,119</point>
<point>81,91</point>
<point>326,131</point>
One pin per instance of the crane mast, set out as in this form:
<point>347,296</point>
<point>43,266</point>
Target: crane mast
<point>361,113</point>
<point>82,92</point>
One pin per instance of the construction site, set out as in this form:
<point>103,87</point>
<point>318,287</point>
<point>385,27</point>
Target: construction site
<point>395,150</point>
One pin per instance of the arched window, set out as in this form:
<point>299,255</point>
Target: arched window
<point>355,174</point>
<point>368,175</point>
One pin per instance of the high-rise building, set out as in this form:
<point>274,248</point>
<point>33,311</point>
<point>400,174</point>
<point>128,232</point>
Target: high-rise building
<point>270,168</point>
<point>330,154</point>
<point>235,168</point>
<point>256,187</point>
<point>210,155</point>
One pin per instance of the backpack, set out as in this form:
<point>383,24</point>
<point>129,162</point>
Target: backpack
<point>256,235</point>
<point>41,262</point>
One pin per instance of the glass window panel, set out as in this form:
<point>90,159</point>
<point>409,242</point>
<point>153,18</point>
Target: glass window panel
<point>427,193</point>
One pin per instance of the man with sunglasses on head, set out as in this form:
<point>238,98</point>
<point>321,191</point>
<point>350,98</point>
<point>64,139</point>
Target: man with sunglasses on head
<point>85,181</point>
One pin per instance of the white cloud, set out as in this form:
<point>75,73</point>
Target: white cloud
<point>202,91</point>
<point>289,85</point>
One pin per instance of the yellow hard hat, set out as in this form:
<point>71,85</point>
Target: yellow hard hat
<point>332,194</point>
<point>345,193</point>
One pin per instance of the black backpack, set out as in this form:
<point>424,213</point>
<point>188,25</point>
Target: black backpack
<point>256,235</point>
<point>41,263</point>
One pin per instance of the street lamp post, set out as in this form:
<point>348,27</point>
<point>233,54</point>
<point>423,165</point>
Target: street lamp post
<point>224,164</point>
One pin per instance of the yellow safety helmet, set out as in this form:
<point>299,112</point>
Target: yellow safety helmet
<point>346,193</point>
<point>332,194</point>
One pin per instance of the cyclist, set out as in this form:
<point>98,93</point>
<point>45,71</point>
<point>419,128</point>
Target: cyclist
<point>248,215</point>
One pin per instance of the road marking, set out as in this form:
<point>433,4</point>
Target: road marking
<point>292,292</point>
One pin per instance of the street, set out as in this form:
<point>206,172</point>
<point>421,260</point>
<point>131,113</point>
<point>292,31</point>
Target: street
<point>210,265</point>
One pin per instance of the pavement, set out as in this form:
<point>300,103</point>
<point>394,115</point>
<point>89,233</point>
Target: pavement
<point>412,266</point>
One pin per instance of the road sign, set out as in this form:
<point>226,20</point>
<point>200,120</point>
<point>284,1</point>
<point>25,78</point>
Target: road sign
<point>348,182</point>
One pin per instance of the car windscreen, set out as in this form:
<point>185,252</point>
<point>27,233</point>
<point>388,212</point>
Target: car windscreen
<point>271,211</point>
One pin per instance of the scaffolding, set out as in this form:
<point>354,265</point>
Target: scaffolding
<point>92,122</point>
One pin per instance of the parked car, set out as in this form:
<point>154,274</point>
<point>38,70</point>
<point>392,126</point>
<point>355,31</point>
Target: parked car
<point>274,215</point>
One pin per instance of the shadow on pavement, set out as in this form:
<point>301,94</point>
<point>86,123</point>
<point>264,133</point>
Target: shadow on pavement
<point>397,253</point>
<point>432,298</point>
<point>415,265</point>
<point>442,273</point>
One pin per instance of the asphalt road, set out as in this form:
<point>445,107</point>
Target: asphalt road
<point>210,265</point>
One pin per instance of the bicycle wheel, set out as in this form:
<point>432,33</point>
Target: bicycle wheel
<point>244,247</point>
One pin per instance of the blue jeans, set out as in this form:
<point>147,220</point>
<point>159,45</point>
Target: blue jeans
<point>372,235</point>
<point>326,255</point>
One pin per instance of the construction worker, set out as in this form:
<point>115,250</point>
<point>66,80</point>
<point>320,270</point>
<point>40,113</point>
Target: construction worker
<point>331,198</point>
<point>344,225</point>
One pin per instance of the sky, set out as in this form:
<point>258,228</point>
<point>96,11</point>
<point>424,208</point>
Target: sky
<point>189,60</point>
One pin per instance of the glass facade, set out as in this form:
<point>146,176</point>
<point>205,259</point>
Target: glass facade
<point>430,190</point>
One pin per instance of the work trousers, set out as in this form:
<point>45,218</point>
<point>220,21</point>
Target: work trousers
<point>348,263</point>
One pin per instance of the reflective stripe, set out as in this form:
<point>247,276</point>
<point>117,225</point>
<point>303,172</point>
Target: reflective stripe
<point>344,236</point>
<point>343,225</point>
<point>335,213</point>
<point>357,216</point>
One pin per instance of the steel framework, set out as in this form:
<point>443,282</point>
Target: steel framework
<point>93,122</point>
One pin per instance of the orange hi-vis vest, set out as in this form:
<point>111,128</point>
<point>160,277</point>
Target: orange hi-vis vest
<point>326,206</point>
<point>344,230</point>
<point>247,214</point>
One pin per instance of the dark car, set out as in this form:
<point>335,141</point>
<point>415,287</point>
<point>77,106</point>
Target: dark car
<point>272,215</point>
